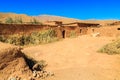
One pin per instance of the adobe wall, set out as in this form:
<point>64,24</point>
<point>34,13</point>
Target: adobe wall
<point>76,29</point>
<point>111,31</point>
<point>69,29</point>
<point>83,30</point>
<point>91,30</point>
<point>9,29</point>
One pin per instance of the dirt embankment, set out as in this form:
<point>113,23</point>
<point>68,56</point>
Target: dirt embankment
<point>12,62</point>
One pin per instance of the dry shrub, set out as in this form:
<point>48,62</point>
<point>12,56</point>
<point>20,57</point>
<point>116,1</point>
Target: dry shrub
<point>45,36</point>
<point>72,34</point>
<point>111,48</point>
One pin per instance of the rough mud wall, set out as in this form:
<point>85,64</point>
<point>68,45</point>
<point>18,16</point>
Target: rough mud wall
<point>9,29</point>
<point>91,30</point>
<point>69,29</point>
<point>111,31</point>
<point>83,30</point>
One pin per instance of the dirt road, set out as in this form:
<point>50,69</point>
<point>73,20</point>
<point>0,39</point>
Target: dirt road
<point>77,59</point>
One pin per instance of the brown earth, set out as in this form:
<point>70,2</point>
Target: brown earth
<point>12,62</point>
<point>77,59</point>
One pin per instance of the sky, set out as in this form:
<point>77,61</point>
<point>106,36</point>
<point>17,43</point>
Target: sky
<point>80,9</point>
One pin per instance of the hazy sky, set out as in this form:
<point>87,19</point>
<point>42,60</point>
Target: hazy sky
<point>81,9</point>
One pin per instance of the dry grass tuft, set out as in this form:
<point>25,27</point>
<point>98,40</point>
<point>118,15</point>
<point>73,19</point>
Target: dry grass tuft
<point>111,48</point>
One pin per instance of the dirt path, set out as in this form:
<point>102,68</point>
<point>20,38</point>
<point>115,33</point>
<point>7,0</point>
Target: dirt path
<point>77,59</point>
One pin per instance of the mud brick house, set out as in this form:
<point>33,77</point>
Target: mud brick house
<point>53,23</point>
<point>10,29</point>
<point>78,27</point>
<point>62,30</point>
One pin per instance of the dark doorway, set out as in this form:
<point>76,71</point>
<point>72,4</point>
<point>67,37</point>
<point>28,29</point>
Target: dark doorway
<point>80,31</point>
<point>93,30</point>
<point>118,28</point>
<point>63,33</point>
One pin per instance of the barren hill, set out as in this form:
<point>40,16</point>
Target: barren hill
<point>44,18</point>
<point>25,18</point>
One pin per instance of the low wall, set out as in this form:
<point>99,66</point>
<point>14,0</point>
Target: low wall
<point>111,31</point>
<point>9,29</point>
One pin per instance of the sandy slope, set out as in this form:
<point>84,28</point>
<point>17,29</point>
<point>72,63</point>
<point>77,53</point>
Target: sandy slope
<point>77,59</point>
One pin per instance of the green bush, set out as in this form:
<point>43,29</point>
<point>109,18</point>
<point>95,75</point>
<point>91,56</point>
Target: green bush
<point>45,36</point>
<point>9,21</point>
<point>72,34</point>
<point>18,20</point>
<point>2,38</point>
<point>111,48</point>
<point>34,21</point>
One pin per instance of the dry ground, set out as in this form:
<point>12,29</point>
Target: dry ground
<point>12,62</point>
<point>77,59</point>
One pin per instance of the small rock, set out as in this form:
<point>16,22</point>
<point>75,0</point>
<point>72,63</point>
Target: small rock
<point>41,72</point>
<point>34,73</point>
<point>36,67</point>
<point>13,78</point>
<point>52,74</point>
<point>44,71</point>
<point>38,76</point>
